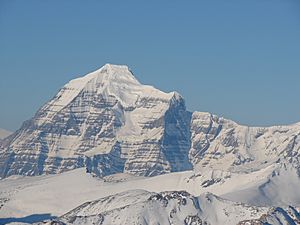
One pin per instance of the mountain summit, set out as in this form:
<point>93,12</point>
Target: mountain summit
<point>106,121</point>
<point>109,123</point>
<point>109,81</point>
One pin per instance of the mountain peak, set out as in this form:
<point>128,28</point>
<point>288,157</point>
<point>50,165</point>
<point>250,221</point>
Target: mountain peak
<point>109,80</point>
<point>112,72</point>
<point>115,67</point>
<point>107,114</point>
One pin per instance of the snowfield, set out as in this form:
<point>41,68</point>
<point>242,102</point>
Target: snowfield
<point>57,194</point>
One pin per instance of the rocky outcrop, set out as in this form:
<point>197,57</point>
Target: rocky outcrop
<point>176,208</point>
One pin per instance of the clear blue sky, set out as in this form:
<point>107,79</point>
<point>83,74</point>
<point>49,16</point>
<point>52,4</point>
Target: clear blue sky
<point>237,58</point>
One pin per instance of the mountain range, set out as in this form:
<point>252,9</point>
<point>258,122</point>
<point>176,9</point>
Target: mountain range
<point>108,123</point>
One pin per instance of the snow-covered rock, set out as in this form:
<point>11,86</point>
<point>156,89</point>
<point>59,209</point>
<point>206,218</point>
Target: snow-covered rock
<point>109,123</point>
<point>173,208</point>
<point>222,144</point>
<point>274,186</point>
<point>106,121</point>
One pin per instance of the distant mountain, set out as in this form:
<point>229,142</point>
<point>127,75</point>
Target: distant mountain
<point>218,143</point>
<point>4,133</point>
<point>109,123</point>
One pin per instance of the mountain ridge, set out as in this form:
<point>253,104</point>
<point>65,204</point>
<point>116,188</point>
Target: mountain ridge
<point>174,207</point>
<point>109,123</point>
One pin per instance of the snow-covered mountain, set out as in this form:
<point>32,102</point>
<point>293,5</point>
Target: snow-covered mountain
<point>109,123</point>
<point>222,144</point>
<point>145,148</point>
<point>106,121</point>
<point>174,208</point>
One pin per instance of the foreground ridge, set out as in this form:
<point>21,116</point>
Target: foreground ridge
<point>174,207</point>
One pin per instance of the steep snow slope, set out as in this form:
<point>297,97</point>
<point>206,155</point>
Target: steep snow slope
<point>173,208</point>
<point>280,188</point>
<point>106,121</point>
<point>4,133</point>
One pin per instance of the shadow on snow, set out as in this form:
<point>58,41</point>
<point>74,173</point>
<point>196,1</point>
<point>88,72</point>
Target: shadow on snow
<point>27,219</point>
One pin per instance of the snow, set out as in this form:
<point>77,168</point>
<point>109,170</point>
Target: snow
<point>112,107</point>
<point>55,193</point>
<point>115,80</point>
<point>226,145</point>
<point>258,166</point>
<point>173,208</point>
<point>280,188</point>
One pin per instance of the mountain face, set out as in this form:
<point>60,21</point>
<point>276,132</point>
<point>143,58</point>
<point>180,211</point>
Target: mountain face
<point>109,123</point>
<point>218,143</point>
<point>174,208</point>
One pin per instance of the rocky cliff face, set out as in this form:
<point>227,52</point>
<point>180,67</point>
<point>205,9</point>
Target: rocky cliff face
<point>108,122</point>
<point>218,143</point>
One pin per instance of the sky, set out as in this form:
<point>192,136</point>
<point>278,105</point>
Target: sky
<point>239,59</point>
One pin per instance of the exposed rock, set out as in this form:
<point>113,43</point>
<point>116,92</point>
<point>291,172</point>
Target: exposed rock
<point>109,123</point>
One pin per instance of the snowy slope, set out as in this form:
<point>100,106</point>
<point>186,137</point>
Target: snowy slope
<point>280,188</point>
<point>173,208</point>
<point>54,194</point>
<point>4,133</point>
